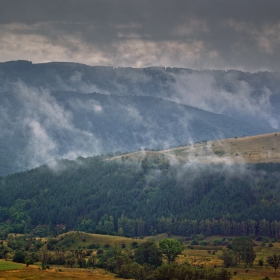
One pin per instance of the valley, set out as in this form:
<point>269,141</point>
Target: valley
<point>140,140</point>
<point>204,253</point>
<point>96,164</point>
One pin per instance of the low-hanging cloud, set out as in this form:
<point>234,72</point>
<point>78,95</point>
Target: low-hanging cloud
<point>48,128</point>
<point>59,114</point>
<point>201,90</point>
<point>42,128</point>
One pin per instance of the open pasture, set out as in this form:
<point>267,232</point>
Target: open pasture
<point>250,149</point>
<point>35,273</point>
<point>80,240</point>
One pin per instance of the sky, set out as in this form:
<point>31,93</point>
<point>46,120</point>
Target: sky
<point>197,34</point>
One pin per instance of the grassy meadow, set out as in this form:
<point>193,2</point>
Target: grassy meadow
<point>250,149</point>
<point>7,265</point>
<point>35,273</point>
<point>208,256</point>
<point>81,240</point>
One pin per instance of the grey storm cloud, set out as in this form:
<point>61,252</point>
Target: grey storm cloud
<point>216,34</point>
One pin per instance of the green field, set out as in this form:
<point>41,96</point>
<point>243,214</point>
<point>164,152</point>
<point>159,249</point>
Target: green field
<point>6,265</point>
<point>80,240</point>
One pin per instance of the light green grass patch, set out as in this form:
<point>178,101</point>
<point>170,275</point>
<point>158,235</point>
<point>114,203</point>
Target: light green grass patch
<point>5,265</point>
<point>81,240</point>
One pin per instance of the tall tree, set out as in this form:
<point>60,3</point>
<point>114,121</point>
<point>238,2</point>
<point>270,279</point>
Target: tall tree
<point>170,249</point>
<point>243,247</point>
<point>229,258</point>
<point>148,253</point>
<point>274,261</point>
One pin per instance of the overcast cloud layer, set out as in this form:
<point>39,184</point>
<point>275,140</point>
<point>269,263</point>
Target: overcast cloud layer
<point>212,34</point>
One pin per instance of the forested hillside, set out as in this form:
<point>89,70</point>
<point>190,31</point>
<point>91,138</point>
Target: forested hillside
<point>130,199</point>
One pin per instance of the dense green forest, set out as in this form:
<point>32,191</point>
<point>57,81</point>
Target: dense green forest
<point>136,199</point>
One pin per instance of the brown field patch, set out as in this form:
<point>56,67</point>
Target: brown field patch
<point>55,273</point>
<point>250,149</point>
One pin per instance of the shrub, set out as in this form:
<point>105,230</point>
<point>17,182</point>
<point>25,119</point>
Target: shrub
<point>93,246</point>
<point>203,243</point>
<point>19,257</point>
<point>134,244</point>
<point>51,244</point>
<point>217,241</point>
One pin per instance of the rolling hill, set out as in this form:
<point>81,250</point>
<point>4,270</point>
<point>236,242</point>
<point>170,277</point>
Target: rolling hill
<point>183,191</point>
<point>264,148</point>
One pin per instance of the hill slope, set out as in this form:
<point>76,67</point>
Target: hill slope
<point>36,128</point>
<point>136,198</point>
<point>262,148</point>
<point>242,95</point>
<point>50,110</point>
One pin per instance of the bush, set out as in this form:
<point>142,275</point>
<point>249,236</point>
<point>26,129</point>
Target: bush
<point>194,242</point>
<point>29,261</point>
<point>19,257</point>
<point>93,246</point>
<point>176,271</point>
<point>130,270</point>
<point>203,243</point>
<point>134,244</point>
<point>51,244</point>
<point>217,241</point>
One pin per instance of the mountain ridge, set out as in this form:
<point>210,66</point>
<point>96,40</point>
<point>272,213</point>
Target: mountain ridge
<point>50,110</point>
<point>91,124</point>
